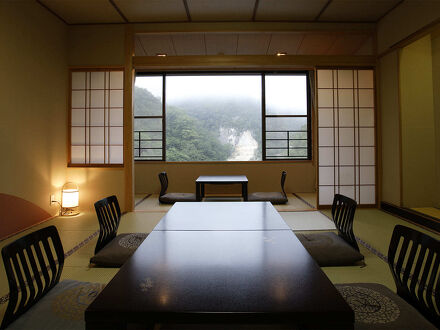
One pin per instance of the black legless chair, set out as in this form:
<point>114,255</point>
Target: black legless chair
<point>171,198</point>
<point>329,249</point>
<point>113,250</point>
<point>275,197</point>
<point>37,298</point>
<point>414,259</point>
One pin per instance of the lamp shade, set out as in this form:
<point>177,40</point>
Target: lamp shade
<point>70,195</point>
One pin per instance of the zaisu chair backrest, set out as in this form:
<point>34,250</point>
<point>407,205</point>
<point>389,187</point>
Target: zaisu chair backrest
<point>33,265</point>
<point>283,179</point>
<point>163,178</point>
<point>414,260</point>
<point>109,216</point>
<point>343,210</point>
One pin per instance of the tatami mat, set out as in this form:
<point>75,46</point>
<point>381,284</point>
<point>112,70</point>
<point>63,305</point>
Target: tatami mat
<point>431,211</point>
<point>310,220</point>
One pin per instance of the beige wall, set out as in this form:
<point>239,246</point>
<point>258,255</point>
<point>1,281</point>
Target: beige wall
<point>417,124</point>
<point>261,176</point>
<point>97,45</point>
<point>33,84</point>
<point>390,126</point>
<point>407,18</point>
<point>435,45</point>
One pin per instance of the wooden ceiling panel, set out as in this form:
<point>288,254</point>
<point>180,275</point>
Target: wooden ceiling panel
<point>357,10</point>
<point>221,10</point>
<point>253,43</point>
<point>189,43</point>
<point>288,10</point>
<point>347,44</point>
<point>284,42</point>
<point>154,44</point>
<point>152,10</point>
<point>84,11</point>
<point>221,43</point>
<point>316,44</point>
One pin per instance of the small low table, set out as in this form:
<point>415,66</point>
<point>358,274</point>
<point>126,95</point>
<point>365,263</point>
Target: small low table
<point>221,179</point>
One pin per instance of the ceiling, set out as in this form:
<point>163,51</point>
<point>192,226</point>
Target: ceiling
<point>155,11</point>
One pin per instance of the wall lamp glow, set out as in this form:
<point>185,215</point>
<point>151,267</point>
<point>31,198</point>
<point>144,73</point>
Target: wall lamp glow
<point>281,54</point>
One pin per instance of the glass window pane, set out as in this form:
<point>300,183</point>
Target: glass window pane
<point>148,124</point>
<point>286,94</point>
<point>148,96</point>
<point>286,124</point>
<point>213,117</point>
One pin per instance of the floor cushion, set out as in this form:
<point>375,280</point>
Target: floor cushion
<point>61,308</point>
<point>377,307</point>
<point>118,250</point>
<point>328,249</point>
<point>172,198</point>
<point>273,197</point>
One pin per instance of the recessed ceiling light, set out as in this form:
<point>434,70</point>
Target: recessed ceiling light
<point>161,54</point>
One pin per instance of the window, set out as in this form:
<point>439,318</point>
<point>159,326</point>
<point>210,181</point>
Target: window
<point>221,117</point>
<point>96,117</point>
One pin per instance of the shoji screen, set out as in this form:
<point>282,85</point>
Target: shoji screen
<point>346,135</point>
<point>96,117</point>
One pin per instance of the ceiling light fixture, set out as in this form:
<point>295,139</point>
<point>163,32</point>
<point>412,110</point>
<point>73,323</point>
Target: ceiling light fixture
<point>161,54</point>
<point>281,53</point>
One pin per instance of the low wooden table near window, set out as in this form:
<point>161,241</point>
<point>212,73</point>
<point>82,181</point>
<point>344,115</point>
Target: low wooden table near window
<point>221,179</point>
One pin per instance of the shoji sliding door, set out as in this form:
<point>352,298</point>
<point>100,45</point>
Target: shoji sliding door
<point>346,135</point>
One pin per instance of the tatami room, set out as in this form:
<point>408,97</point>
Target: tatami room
<point>74,84</point>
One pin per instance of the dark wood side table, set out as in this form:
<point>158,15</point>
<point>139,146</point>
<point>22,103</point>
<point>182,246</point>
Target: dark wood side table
<point>221,179</point>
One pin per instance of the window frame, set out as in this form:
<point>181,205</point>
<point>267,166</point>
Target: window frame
<point>260,73</point>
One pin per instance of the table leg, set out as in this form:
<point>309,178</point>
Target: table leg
<point>244,191</point>
<point>203,190</point>
<point>198,198</point>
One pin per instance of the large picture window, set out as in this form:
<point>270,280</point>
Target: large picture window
<point>221,117</point>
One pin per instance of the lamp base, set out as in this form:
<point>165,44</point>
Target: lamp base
<point>69,211</point>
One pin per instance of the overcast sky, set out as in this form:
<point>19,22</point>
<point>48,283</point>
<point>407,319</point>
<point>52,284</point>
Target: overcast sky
<point>282,92</point>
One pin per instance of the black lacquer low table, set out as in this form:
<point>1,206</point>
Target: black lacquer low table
<point>221,179</point>
<point>230,275</point>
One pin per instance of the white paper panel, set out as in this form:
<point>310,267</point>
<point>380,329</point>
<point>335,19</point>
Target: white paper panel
<point>78,117</point>
<point>346,136</point>
<point>345,98</point>
<point>326,156</point>
<point>346,175</point>
<point>116,80</point>
<point>116,154</point>
<point>366,117</point>
<point>116,98</point>
<point>325,117</point>
<point>97,135</point>
<point>366,98</point>
<point>77,155</point>
<point>326,194</point>
<point>78,136</point>
<point>78,99</point>
<point>97,98</point>
<point>367,195</point>
<point>347,191</point>
<point>116,117</point>
<point>346,117</point>
<point>367,136</point>
<point>367,155</point>
<point>325,98</point>
<point>326,175</point>
<point>325,78</point>
<point>97,117</point>
<point>97,80</point>
<point>78,80</point>
<point>325,136</point>
<point>366,78</point>
<point>345,78</point>
<point>367,175</point>
<point>116,135</point>
<point>97,154</point>
<point>346,156</point>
